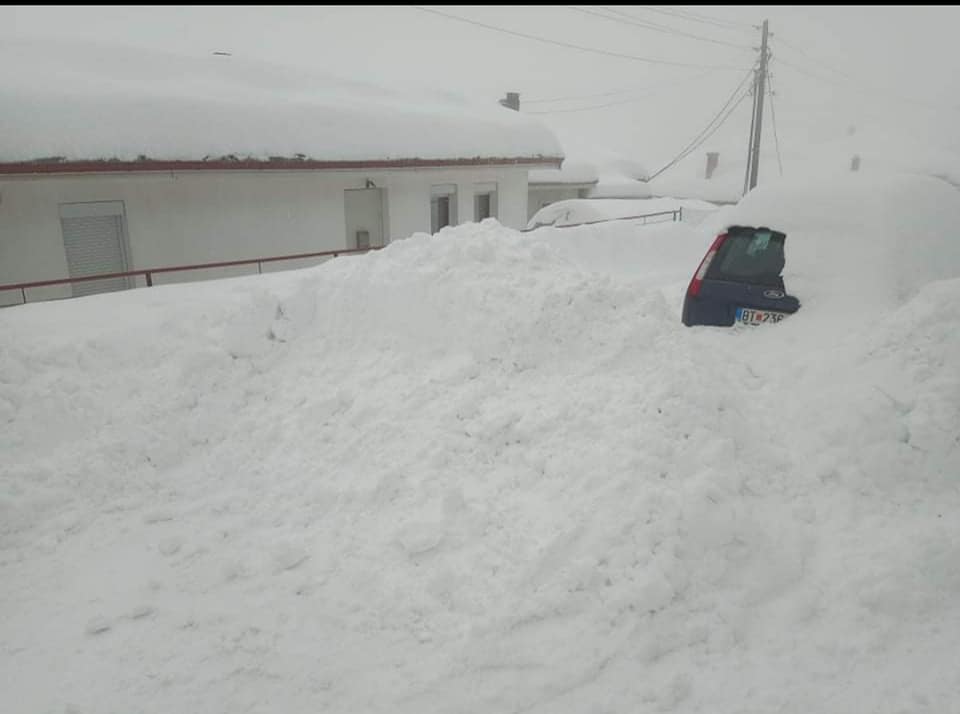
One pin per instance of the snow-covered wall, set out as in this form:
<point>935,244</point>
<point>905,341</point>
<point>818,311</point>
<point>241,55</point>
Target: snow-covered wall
<point>198,217</point>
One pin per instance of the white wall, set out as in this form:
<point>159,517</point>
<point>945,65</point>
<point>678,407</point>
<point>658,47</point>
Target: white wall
<point>197,217</point>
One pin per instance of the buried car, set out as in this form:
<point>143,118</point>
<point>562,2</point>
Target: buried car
<point>739,280</point>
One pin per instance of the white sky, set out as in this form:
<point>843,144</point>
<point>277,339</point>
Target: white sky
<point>906,54</point>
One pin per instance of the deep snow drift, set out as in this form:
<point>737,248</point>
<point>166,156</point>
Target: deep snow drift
<point>481,472</point>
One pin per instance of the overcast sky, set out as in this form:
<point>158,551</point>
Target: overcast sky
<point>834,67</point>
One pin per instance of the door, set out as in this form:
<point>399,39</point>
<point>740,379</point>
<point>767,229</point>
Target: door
<point>94,240</point>
<point>363,210</point>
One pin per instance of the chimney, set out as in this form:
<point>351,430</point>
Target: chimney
<point>713,159</point>
<point>855,163</point>
<point>511,101</point>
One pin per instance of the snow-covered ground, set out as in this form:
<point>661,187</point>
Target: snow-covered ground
<point>492,472</point>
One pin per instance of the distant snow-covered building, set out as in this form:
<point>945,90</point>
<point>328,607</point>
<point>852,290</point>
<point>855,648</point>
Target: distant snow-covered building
<point>111,162</point>
<point>574,179</point>
<point>604,175</point>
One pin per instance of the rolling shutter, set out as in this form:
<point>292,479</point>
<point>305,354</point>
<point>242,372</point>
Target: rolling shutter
<point>94,244</point>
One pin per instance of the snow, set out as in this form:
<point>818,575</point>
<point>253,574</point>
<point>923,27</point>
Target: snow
<point>573,211</point>
<point>86,102</point>
<point>881,152</point>
<point>486,471</point>
<point>873,238</point>
<point>617,186</point>
<point>571,172</point>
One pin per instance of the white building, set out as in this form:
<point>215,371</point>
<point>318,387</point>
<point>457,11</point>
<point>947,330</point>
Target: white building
<point>118,163</point>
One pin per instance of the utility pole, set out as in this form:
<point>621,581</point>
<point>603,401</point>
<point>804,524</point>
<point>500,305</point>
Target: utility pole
<point>753,126</point>
<point>756,124</point>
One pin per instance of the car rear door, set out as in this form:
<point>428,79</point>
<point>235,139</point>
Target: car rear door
<point>742,283</point>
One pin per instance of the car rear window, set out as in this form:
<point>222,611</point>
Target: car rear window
<point>750,256</point>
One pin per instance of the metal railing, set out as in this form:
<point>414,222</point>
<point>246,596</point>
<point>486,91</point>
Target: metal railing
<point>675,216</point>
<point>148,273</point>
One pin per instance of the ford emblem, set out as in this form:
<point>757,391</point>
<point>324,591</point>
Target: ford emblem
<point>773,294</point>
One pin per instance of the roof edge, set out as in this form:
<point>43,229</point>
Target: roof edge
<point>58,166</point>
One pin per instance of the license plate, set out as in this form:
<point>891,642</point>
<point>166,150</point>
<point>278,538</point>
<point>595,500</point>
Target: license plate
<point>749,316</point>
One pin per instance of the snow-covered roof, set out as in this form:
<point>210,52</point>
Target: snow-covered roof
<point>575,172</point>
<point>83,103</point>
<point>613,185</point>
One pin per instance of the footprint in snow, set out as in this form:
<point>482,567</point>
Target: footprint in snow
<point>97,626</point>
<point>288,557</point>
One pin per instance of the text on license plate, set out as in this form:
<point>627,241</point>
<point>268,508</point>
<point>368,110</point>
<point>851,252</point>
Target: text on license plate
<point>749,316</point>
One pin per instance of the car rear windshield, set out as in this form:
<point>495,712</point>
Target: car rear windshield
<point>750,256</point>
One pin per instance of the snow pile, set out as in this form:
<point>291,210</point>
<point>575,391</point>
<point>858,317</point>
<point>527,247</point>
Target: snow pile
<point>480,471</point>
<point>79,102</point>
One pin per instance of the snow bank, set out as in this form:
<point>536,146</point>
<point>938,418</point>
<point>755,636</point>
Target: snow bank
<point>480,471</point>
<point>80,101</point>
<point>868,241</point>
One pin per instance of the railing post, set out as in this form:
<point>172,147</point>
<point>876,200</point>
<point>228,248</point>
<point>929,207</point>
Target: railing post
<point>149,278</point>
<point>259,268</point>
<point>23,294</point>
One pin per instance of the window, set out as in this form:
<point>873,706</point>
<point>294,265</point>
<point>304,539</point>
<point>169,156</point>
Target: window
<point>750,256</point>
<point>443,207</point>
<point>484,201</point>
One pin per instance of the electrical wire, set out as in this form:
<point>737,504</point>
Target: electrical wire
<point>569,45</point>
<point>718,120</point>
<point>862,88</point>
<point>623,101</point>
<point>577,98</point>
<point>773,115</point>
<point>686,15</point>
<point>627,19</point>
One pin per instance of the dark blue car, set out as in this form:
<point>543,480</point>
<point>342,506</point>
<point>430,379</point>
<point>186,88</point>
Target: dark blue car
<point>739,281</point>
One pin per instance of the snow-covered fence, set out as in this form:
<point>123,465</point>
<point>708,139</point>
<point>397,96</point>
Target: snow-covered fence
<point>148,273</point>
<point>675,216</point>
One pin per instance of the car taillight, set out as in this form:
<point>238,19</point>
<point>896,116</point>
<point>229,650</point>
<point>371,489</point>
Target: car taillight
<point>697,280</point>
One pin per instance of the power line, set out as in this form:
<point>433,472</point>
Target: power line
<point>821,63</point>
<point>773,115</point>
<point>699,143</point>
<point>569,45</point>
<point>627,19</point>
<point>863,88</point>
<point>622,101</point>
<point>718,120</point>
<point>577,98</point>
<point>715,21</point>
